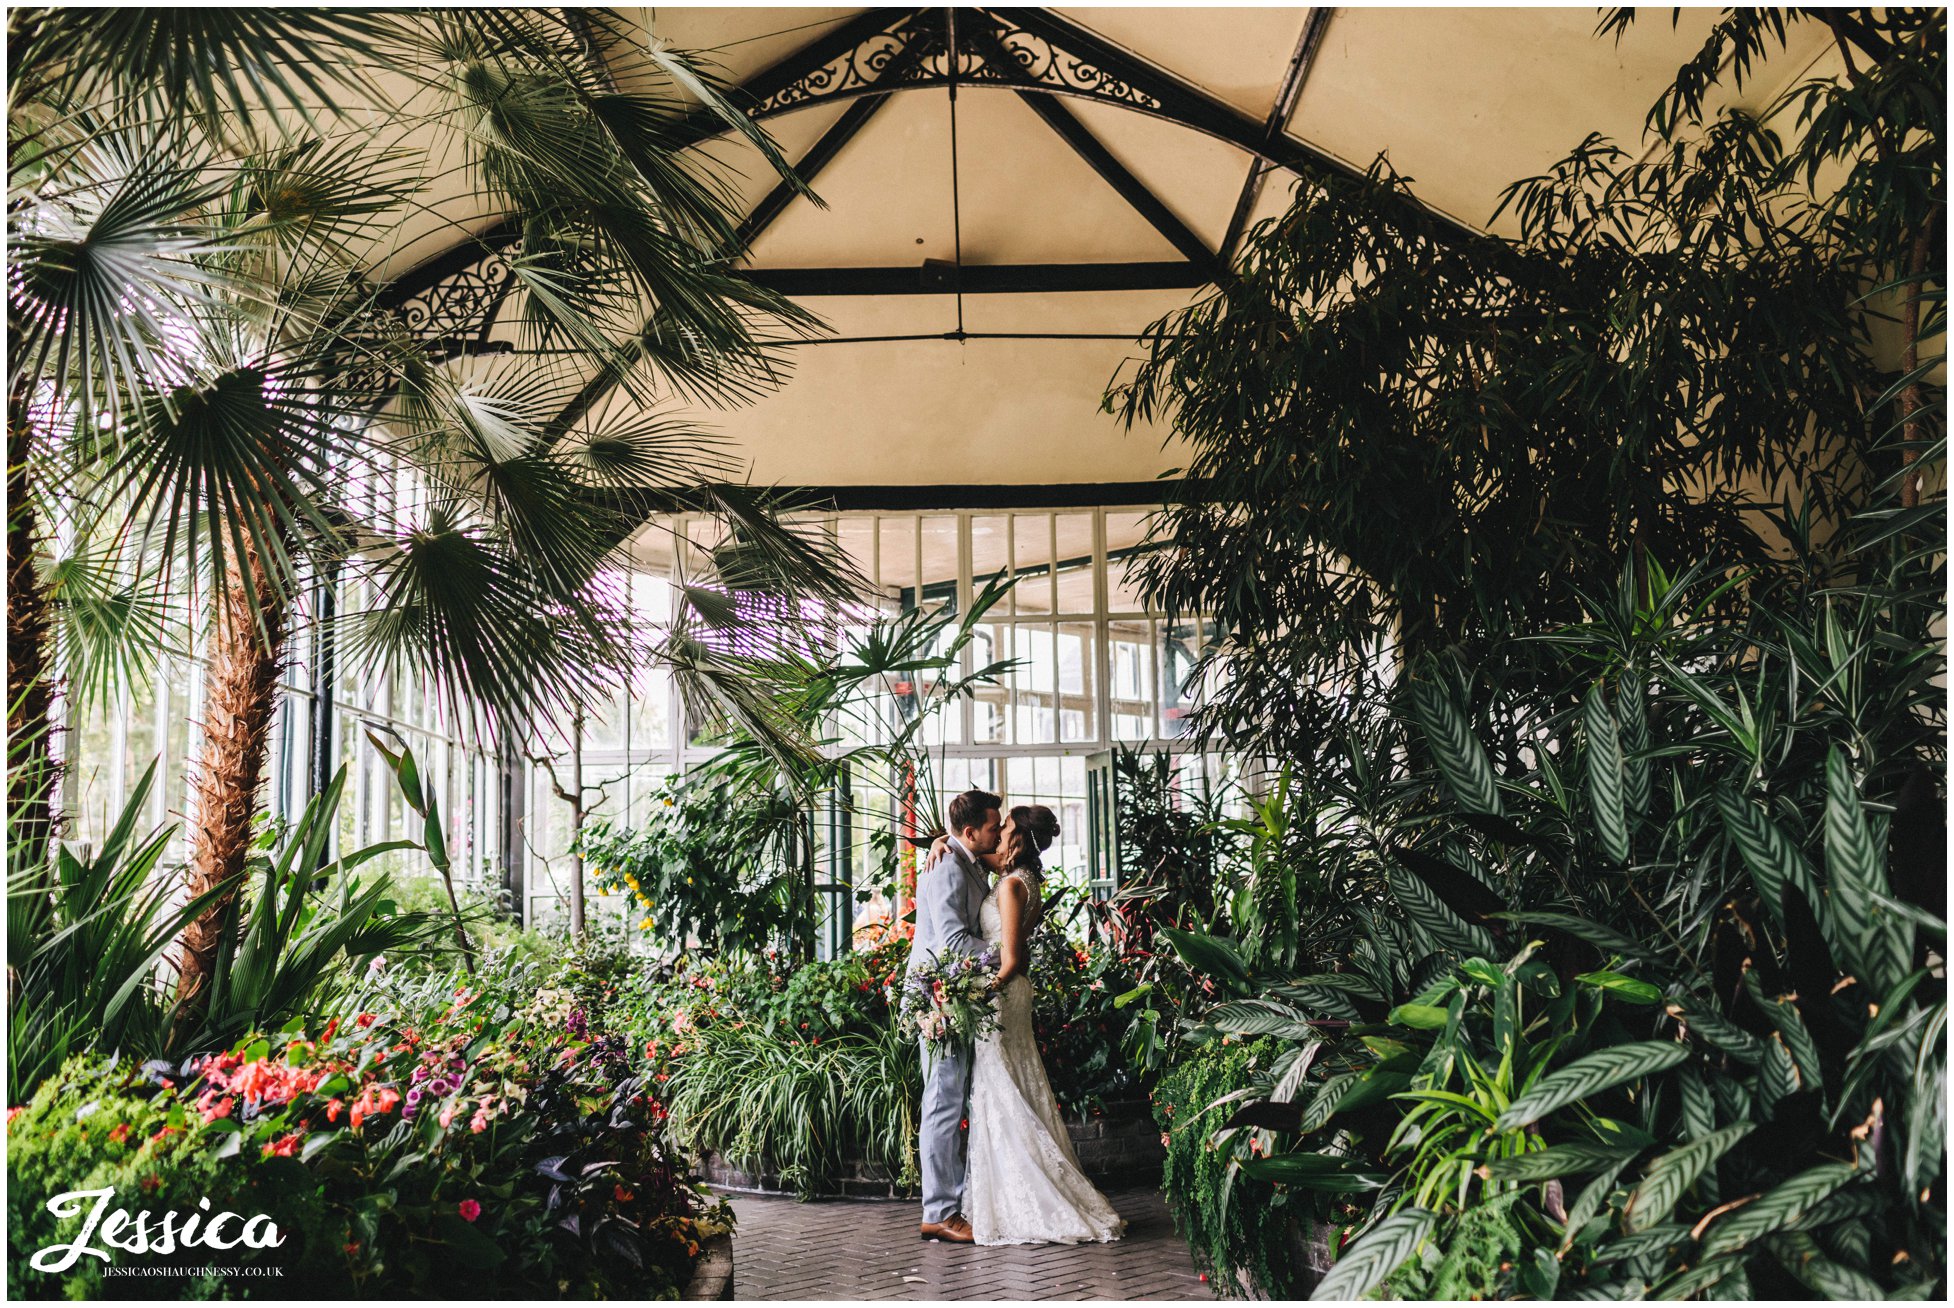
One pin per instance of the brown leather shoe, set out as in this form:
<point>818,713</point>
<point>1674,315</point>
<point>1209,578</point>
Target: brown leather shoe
<point>955,1229</point>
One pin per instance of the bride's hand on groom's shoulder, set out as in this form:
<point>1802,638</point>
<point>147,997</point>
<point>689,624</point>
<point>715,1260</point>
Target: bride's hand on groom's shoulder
<point>938,848</point>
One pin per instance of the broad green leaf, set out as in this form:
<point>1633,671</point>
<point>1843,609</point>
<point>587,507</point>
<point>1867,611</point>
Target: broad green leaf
<point>1623,987</point>
<point>1382,1250</point>
<point>1692,1281</point>
<point>1607,791</point>
<point>1461,759</point>
<point>1588,1203</point>
<point>1210,956</point>
<point>1589,1075</point>
<point>1260,1017</point>
<point>1671,1175</point>
<point>1715,1029</point>
<point>1777,1076</point>
<point>1559,1160</point>
<point>1777,1210</point>
<point>1327,1099</point>
<point>1421,1017</point>
<point>1581,928</point>
<point>1867,935</point>
<point>1773,861</point>
<point>1446,928</point>
<point>1631,712</point>
<point>1801,1257</point>
<point>1323,1172</point>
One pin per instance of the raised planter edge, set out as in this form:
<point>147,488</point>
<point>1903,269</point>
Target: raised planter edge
<point>712,1275</point>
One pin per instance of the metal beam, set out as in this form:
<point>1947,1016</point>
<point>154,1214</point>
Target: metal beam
<point>984,39</point>
<point>983,279</point>
<point>1276,126</point>
<point>763,86</point>
<point>823,151</point>
<point>1131,189</point>
<point>1184,103</point>
<point>839,133</point>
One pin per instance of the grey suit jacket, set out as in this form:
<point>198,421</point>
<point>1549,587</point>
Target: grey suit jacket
<point>949,896</point>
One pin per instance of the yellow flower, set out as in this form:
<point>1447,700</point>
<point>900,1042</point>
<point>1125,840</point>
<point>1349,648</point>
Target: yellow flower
<point>630,881</point>
<point>688,881</point>
<point>645,925</point>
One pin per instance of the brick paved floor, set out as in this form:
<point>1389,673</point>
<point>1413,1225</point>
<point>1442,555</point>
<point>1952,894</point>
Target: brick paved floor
<point>865,1249</point>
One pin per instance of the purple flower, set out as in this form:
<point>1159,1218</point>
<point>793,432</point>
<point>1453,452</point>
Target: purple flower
<point>440,1086</point>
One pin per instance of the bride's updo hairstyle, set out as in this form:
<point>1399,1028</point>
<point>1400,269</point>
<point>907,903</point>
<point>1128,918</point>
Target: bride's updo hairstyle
<point>1033,829</point>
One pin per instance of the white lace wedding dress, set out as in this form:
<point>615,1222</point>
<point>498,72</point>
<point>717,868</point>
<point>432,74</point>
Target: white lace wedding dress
<point>1025,1186</point>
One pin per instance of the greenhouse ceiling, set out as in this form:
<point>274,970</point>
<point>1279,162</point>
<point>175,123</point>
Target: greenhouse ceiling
<point>1003,199</point>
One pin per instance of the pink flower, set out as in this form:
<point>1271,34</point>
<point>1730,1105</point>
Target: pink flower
<point>446,1116</point>
<point>469,1210</point>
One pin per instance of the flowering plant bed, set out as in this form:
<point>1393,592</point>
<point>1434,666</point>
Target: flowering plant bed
<point>437,1141</point>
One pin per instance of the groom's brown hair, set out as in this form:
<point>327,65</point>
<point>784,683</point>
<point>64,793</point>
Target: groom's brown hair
<point>969,808</point>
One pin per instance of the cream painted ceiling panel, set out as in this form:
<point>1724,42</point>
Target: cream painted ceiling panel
<point>738,40</point>
<point>1465,101</point>
<point>1025,197</point>
<point>944,413</point>
<point>1196,176</point>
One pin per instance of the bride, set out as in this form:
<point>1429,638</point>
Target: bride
<point>1025,1186</point>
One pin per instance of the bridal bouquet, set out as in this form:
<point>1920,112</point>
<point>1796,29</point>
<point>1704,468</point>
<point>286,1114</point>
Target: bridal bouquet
<point>947,1003</point>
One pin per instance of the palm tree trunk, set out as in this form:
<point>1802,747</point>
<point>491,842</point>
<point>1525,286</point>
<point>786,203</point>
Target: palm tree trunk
<point>240,698</point>
<point>31,773</point>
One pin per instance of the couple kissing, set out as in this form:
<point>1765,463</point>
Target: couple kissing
<point>1020,1182</point>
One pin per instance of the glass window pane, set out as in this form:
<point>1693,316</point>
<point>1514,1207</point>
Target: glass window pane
<point>1078,670</point>
<point>1031,554</point>
<point>1074,563</point>
<point>939,546</point>
<point>1131,690</point>
<point>990,550</point>
<point>990,706</point>
<point>1125,532</point>
<point>896,539</point>
<point>1036,703</point>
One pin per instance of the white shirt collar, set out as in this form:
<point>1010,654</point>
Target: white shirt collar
<point>961,848</point>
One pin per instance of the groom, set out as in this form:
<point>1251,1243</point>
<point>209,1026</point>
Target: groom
<point>949,894</point>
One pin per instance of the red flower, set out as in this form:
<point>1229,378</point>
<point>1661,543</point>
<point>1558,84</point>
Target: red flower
<point>334,1107</point>
<point>331,1027</point>
<point>622,1195</point>
<point>120,1134</point>
<point>363,1021</point>
<point>284,1147</point>
<point>469,1210</point>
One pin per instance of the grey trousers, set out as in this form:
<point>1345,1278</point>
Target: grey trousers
<point>946,1087</point>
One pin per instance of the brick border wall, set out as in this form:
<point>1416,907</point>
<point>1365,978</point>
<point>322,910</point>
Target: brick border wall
<point>1120,1146</point>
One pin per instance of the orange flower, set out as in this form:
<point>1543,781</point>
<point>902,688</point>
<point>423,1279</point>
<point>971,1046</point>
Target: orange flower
<point>334,1107</point>
<point>284,1147</point>
<point>363,1021</point>
<point>120,1134</point>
